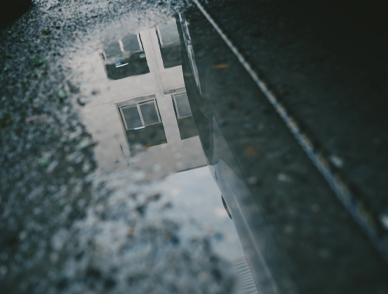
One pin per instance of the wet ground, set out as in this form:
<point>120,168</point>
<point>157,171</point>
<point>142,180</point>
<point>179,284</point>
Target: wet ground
<point>140,154</point>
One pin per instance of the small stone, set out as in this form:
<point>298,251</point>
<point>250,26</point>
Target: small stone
<point>289,229</point>
<point>253,180</point>
<point>43,162</point>
<point>22,235</point>
<point>62,94</point>
<point>337,161</point>
<point>284,178</point>
<point>52,166</point>
<point>46,31</point>
<point>384,220</point>
<point>81,101</point>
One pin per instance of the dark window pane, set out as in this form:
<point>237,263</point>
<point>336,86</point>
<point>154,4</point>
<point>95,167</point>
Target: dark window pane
<point>113,50</point>
<point>131,43</point>
<point>150,136</point>
<point>171,56</point>
<point>187,128</point>
<point>148,111</point>
<point>131,117</point>
<point>169,33</point>
<point>183,105</point>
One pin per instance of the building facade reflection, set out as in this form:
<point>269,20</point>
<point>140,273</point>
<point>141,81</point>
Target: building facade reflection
<point>144,103</point>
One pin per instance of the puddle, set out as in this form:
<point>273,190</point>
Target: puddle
<point>138,112</point>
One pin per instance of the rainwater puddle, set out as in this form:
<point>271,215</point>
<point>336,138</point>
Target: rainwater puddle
<point>137,110</point>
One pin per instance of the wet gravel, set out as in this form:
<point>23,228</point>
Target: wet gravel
<point>64,227</point>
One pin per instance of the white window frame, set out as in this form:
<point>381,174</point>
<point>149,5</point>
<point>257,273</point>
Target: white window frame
<point>140,114</point>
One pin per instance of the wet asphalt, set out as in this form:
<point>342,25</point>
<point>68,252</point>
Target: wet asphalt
<point>74,218</point>
<point>316,239</point>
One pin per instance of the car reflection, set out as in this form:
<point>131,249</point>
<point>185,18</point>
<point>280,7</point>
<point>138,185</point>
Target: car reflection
<point>237,198</point>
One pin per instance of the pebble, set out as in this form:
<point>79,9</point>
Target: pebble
<point>284,178</point>
<point>337,161</point>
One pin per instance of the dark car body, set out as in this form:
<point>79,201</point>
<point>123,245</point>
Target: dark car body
<point>251,227</point>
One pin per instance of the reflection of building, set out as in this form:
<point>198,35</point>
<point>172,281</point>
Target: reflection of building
<point>143,101</point>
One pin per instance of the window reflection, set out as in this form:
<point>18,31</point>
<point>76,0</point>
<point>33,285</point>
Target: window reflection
<point>125,58</point>
<point>140,115</point>
<point>182,106</point>
<point>184,116</point>
<point>142,122</point>
<point>169,44</point>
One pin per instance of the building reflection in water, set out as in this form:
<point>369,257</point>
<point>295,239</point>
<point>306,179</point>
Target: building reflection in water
<point>144,102</point>
<point>141,100</point>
